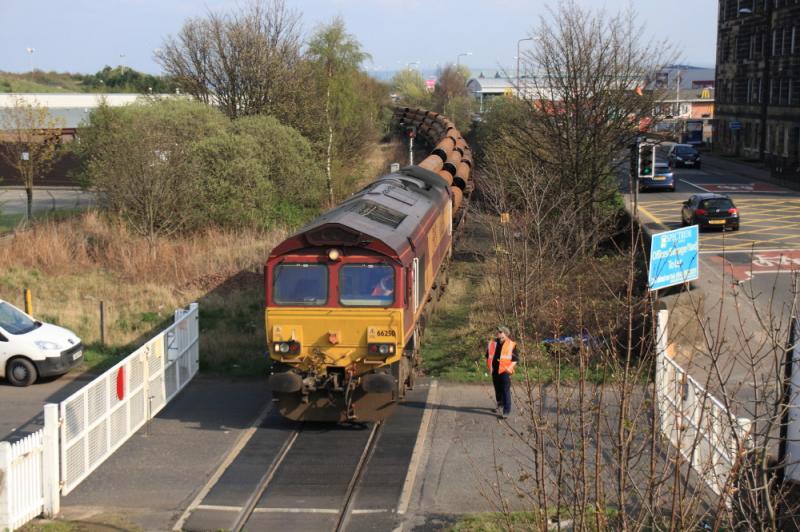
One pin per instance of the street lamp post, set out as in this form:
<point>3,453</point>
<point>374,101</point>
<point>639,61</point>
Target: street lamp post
<point>458,58</point>
<point>518,43</point>
<point>30,51</point>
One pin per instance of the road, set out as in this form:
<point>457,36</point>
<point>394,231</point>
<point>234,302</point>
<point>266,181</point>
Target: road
<point>13,199</point>
<point>747,287</point>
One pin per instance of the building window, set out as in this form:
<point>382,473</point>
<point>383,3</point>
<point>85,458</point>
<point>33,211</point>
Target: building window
<point>749,91</point>
<point>789,93</point>
<point>771,98</point>
<point>783,41</point>
<point>785,141</point>
<point>774,42</point>
<point>791,48</point>
<point>759,90</point>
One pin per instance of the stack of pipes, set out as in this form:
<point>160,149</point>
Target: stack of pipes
<point>451,157</point>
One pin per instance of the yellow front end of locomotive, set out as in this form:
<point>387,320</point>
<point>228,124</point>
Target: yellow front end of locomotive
<point>316,339</point>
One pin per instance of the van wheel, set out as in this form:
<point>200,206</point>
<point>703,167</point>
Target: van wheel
<point>21,372</point>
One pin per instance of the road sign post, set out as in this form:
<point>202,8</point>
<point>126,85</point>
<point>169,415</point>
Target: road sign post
<point>674,258</point>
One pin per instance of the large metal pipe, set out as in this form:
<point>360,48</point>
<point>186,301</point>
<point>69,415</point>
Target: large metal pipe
<point>444,174</point>
<point>453,158</point>
<point>444,147</point>
<point>467,157</point>
<point>432,163</point>
<point>458,197</point>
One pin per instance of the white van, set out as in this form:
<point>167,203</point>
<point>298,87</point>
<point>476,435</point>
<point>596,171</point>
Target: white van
<point>30,349</point>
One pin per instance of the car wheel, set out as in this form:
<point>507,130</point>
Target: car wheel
<point>21,372</point>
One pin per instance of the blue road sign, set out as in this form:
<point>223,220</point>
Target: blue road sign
<point>674,257</point>
<point>734,124</point>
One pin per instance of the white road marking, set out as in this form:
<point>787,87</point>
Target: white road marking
<point>416,455</point>
<point>229,458</point>
<point>218,508</point>
<point>693,185</point>
<point>748,251</point>
<point>372,511</point>
<point>295,511</point>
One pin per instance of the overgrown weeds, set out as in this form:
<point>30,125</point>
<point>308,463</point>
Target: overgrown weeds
<point>73,265</point>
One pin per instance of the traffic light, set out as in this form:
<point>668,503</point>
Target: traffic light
<point>647,157</point>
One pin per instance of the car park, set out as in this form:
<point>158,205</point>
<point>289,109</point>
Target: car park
<point>30,349</point>
<point>663,178</point>
<point>710,211</point>
<point>684,155</point>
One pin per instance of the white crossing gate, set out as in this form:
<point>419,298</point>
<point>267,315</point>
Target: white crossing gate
<point>86,428</point>
<point>708,436</point>
<point>101,416</point>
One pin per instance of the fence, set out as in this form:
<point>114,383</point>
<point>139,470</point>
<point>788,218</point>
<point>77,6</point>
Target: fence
<point>95,421</point>
<point>23,496</point>
<point>707,435</point>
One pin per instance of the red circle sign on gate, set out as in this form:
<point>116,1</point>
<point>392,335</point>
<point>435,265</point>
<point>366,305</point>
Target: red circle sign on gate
<point>121,383</point>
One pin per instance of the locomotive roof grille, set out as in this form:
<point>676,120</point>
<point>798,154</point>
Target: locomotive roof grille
<point>379,213</point>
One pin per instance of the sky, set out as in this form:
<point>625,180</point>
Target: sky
<point>85,35</point>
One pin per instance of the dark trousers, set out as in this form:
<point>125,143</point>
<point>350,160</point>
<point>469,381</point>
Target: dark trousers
<point>502,390</point>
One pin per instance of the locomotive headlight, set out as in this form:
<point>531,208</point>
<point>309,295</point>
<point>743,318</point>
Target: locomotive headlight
<point>284,347</point>
<point>383,349</point>
<point>334,254</point>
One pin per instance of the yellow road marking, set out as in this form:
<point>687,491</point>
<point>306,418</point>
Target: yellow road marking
<point>771,240</point>
<point>653,217</point>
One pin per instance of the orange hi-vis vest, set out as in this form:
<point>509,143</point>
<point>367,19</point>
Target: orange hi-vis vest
<point>506,365</point>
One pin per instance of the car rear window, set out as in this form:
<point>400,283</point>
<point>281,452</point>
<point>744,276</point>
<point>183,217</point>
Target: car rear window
<point>686,151</point>
<point>716,203</point>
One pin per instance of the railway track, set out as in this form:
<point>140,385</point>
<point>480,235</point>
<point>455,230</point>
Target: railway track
<point>263,502</point>
<point>315,476</point>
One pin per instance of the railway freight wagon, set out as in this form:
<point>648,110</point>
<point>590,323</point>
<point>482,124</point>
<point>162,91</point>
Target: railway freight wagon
<point>346,295</point>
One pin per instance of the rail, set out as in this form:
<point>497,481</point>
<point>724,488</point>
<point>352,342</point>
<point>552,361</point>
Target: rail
<point>268,481</point>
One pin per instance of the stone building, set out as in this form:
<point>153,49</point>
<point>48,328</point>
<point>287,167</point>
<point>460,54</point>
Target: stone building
<point>758,83</point>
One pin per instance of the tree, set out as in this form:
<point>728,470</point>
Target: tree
<point>582,106</point>
<point>176,166</point>
<point>451,97</point>
<point>246,62</point>
<point>410,86</point>
<point>140,160</point>
<point>338,55</point>
<point>31,145</point>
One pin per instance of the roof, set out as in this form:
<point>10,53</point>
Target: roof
<point>385,215</point>
<point>74,108</point>
<point>489,85</point>
<point>691,77</point>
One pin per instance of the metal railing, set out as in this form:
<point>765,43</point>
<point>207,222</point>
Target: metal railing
<point>708,436</point>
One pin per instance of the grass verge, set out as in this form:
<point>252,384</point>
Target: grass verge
<point>501,522</point>
<point>455,340</point>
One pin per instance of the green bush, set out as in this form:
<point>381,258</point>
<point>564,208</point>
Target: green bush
<point>175,165</point>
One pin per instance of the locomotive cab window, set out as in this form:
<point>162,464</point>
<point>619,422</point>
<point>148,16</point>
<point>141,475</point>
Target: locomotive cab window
<point>300,284</point>
<point>366,285</point>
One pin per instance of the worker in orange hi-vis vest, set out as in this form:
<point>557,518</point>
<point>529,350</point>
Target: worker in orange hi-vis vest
<point>501,359</point>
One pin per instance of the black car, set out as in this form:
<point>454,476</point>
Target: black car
<point>684,155</point>
<point>710,210</point>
